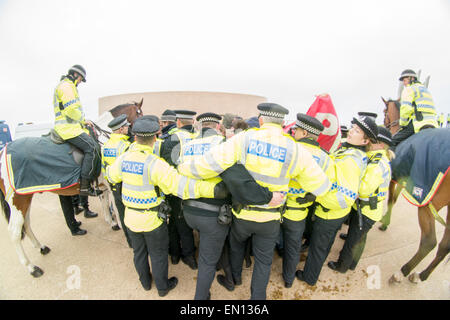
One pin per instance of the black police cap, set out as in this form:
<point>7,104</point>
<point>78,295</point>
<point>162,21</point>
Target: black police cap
<point>368,114</point>
<point>150,117</point>
<point>272,110</point>
<point>185,114</point>
<point>384,135</point>
<point>145,127</point>
<point>169,115</point>
<point>209,117</point>
<point>308,123</point>
<point>118,122</point>
<point>368,125</point>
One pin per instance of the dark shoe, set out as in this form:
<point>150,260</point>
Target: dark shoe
<point>77,209</point>
<point>335,266</point>
<point>343,236</point>
<point>287,285</point>
<point>115,227</point>
<point>79,232</point>
<point>175,259</point>
<point>237,281</point>
<point>172,283</point>
<point>89,214</point>
<point>299,275</point>
<point>78,223</point>
<point>229,285</point>
<point>147,287</point>
<point>190,261</point>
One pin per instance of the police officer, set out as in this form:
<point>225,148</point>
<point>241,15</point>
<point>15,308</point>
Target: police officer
<point>298,215</point>
<point>117,144</point>
<point>70,124</point>
<point>441,120</point>
<point>372,192</point>
<point>181,235</point>
<point>334,206</point>
<point>272,158</point>
<point>168,123</point>
<point>144,178</point>
<point>417,110</point>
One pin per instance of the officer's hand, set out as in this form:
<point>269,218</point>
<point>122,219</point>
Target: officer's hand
<point>221,191</point>
<point>277,199</point>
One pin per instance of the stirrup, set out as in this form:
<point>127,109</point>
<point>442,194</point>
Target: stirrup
<point>90,192</point>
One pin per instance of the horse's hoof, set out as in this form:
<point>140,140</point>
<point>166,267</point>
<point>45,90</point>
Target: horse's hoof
<point>414,278</point>
<point>115,228</point>
<point>382,227</point>
<point>45,250</point>
<point>396,278</point>
<point>37,272</point>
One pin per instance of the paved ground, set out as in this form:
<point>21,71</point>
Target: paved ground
<point>105,267</point>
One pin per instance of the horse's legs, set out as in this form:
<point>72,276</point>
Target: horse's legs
<point>15,225</point>
<point>443,250</point>
<point>30,234</point>
<point>394,192</point>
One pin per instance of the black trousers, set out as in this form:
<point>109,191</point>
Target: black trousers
<point>264,236</point>
<point>117,193</point>
<point>355,242</point>
<point>322,239</point>
<point>156,245</point>
<point>68,211</point>
<point>181,236</point>
<point>292,236</point>
<point>212,239</point>
<point>87,144</point>
<point>80,200</point>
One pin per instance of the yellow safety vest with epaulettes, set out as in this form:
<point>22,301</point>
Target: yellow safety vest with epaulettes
<point>349,167</point>
<point>156,148</point>
<point>375,183</point>
<point>142,175</point>
<point>295,189</point>
<point>419,95</point>
<point>272,158</point>
<point>69,116</point>
<point>113,148</point>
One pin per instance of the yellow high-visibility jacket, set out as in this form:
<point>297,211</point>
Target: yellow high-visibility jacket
<point>144,177</point>
<point>272,157</point>
<point>349,166</point>
<point>113,148</point>
<point>294,210</point>
<point>419,95</point>
<point>375,183</point>
<point>69,115</point>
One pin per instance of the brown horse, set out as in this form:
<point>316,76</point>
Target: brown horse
<point>426,217</point>
<point>16,207</point>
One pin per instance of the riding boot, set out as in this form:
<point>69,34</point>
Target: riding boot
<point>88,213</point>
<point>77,209</point>
<point>87,190</point>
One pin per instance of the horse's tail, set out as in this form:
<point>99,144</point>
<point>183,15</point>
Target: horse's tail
<point>5,206</point>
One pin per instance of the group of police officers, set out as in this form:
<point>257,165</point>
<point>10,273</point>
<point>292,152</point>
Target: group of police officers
<point>181,174</point>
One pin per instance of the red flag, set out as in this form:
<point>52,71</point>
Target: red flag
<point>323,109</point>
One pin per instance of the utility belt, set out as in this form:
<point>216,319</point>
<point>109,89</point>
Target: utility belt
<point>224,214</point>
<point>372,202</point>
<point>144,210</point>
<point>296,208</point>
<point>163,210</point>
<point>240,207</point>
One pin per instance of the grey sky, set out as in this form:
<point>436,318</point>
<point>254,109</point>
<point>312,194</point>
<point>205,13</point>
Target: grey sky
<point>287,51</point>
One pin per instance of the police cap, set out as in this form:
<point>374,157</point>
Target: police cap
<point>80,70</point>
<point>209,117</point>
<point>118,122</point>
<point>272,110</point>
<point>308,123</point>
<point>344,129</point>
<point>145,127</point>
<point>169,115</point>
<point>150,117</point>
<point>384,135</point>
<point>368,125</point>
<point>185,114</point>
<point>407,73</point>
<point>368,114</point>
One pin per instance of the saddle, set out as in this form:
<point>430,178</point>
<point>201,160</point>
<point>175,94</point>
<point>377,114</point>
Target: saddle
<point>77,154</point>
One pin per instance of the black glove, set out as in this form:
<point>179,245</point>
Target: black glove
<point>309,197</point>
<point>221,191</point>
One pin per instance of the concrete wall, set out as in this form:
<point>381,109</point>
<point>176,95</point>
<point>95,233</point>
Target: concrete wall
<point>218,102</point>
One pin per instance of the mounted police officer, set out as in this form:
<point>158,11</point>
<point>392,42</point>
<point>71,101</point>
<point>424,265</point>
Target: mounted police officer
<point>70,124</point>
<point>272,158</point>
<point>117,144</point>
<point>417,110</point>
<point>145,177</point>
<point>181,235</point>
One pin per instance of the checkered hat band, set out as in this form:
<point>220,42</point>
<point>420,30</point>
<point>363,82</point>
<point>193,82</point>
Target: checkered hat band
<point>308,128</point>
<point>209,119</point>
<point>366,126</point>
<point>384,137</point>
<point>147,134</point>
<point>272,114</point>
<point>169,118</point>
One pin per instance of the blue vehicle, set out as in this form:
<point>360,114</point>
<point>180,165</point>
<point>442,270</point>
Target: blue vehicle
<point>5,134</point>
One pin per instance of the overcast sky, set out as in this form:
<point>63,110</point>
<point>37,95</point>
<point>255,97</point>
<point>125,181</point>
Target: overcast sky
<point>287,51</point>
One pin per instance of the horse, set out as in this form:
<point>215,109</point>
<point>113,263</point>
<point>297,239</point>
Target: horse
<point>16,207</point>
<point>426,213</point>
